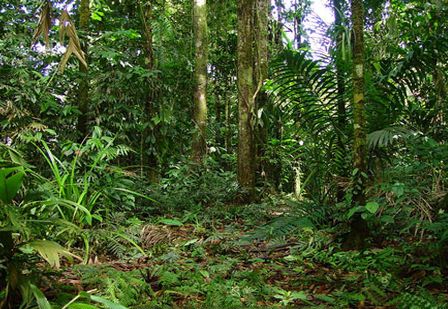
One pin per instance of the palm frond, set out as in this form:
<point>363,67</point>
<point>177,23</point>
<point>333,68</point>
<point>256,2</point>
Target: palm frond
<point>44,25</point>
<point>67,28</point>
<point>305,90</point>
<point>386,136</point>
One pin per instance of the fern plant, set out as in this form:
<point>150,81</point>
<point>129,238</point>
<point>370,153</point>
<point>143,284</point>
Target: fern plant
<point>303,215</point>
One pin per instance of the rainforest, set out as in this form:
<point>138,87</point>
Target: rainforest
<point>223,154</point>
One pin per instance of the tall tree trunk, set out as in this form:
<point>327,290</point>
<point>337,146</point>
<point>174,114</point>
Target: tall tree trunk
<point>342,114</point>
<point>219,100</point>
<point>228,122</point>
<point>150,155</point>
<point>252,71</point>
<point>277,35</point>
<point>246,100</point>
<point>200,79</point>
<point>339,63</point>
<point>297,25</point>
<point>83,88</point>
<point>359,228</point>
<point>261,73</point>
<point>440,92</point>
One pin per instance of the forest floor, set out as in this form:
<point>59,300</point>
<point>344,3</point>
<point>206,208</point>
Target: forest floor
<point>239,257</point>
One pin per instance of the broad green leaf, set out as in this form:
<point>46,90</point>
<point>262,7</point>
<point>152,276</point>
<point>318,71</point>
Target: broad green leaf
<point>299,295</point>
<point>51,251</point>
<point>353,210</point>
<point>372,207</point>
<point>41,300</point>
<point>10,182</point>
<point>387,219</point>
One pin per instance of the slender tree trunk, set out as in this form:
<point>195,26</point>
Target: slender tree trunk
<point>440,90</point>
<point>228,123</point>
<point>274,168</point>
<point>200,79</point>
<point>339,63</point>
<point>342,114</point>
<point>150,155</point>
<point>261,73</point>
<point>246,100</point>
<point>83,88</point>
<point>219,139</point>
<point>279,24</point>
<point>297,25</point>
<point>359,228</point>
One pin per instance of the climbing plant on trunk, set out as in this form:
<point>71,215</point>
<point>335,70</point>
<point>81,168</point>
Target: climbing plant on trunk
<point>359,229</point>
<point>252,71</point>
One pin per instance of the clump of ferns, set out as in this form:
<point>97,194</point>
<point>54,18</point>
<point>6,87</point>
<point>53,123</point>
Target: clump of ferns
<point>117,241</point>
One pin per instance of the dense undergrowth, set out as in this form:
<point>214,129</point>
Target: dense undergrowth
<point>149,162</point>
<point>190,243</point>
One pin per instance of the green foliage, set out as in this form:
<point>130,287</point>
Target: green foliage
<point>10,182</point>
<point>125,288</point>
<point>186,187</point>
<point>307,90</point>
<point>159,232</point>
<point>279,228</point>
<point>12,252</point>
<point>414,301</point>
<point>286,297</point>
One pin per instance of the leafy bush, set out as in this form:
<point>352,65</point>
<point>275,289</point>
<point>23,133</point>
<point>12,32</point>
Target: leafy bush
<point>186,187</point>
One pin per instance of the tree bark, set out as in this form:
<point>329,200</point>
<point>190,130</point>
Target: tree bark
<point>252,71</point>
<point>219,98</point>
<point>246,100</point>
<point>359,228</point>
<point>200,79</point>
<point>228,122</point>
<point>261,73</point>
<point>83,88</point>
<point>150,155</point>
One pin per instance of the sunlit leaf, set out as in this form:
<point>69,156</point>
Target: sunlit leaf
<point>51,251</point>
<point>372,207</point>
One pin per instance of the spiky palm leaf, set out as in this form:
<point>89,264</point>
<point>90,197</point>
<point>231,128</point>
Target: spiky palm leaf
<point>305,90</point>
<point>386,136</point>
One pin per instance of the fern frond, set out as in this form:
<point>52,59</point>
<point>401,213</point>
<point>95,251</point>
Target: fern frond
<point>278,228</point>
<point>386,136</point>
